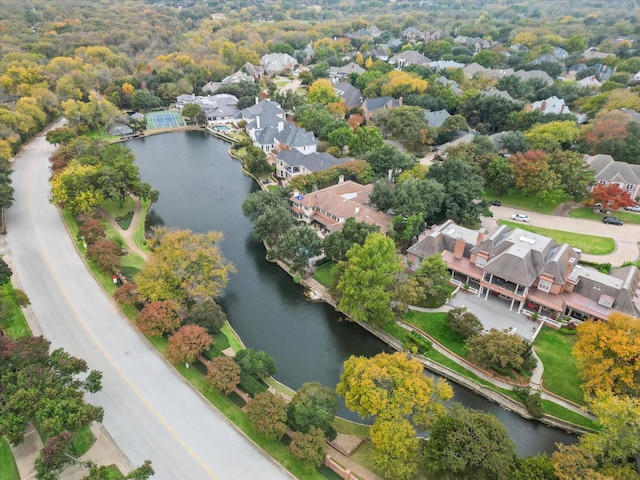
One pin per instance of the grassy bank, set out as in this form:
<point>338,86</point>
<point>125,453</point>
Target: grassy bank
<point>520,200</point>
<point>561,374</point>
<point>588,213</point>
<point>8,468</point>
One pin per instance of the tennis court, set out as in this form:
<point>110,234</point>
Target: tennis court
<point>166,119</point>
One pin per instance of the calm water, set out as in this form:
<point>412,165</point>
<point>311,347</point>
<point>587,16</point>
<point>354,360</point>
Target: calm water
<point>202,188</point>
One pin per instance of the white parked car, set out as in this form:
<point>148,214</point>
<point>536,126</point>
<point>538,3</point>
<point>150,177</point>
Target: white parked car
<point>519,217</point>
<point>634,208</point>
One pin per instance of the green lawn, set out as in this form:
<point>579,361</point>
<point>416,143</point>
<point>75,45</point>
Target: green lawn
<point>519,200</point>
<point>559,411</point>
<point>139,234</point>
<point>119,210</point>
<point>15,323</point>
<point>81,441</point>
<point>435,325</point>
<point>323,273</point>
<point>588,213</point>
<point>590,244</point>
<point>8,468</point>
<point>561,374</point>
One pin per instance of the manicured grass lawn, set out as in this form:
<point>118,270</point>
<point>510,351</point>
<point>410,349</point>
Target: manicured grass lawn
<point>519,200</point>
<point>232,337</point>
<point>122,211</point>
<point>588,213</point>
<point>591,244</point>
<point>435,325</point>
<point>8,468</point>
<point>139,234</point>
<point>323,273</point>
<point>81,441</point>
<point>350,428</point>
<point>558,411</point>
<point>561,374</point>
<point>15,323</point>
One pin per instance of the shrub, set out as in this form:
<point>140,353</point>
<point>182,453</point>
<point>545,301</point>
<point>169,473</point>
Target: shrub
<point>127,294</point>
<point>106,254</point>
<point>534,405</point>
<point>250,384</point>
<point>21,298</point>
<point>256,363</point>
<point>463,322</point>
<point>92,230</point>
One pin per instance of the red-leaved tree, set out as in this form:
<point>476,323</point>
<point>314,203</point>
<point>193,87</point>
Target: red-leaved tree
<point>158,318</point>
<point>187,343</point>
<point>610,196</point>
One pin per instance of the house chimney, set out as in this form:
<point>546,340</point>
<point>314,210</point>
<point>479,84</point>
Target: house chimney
<point>258,121</point>
<point>357,210</point>
<point>400,102</point>
<point>543,106</point>
<point>481,234</point>
<point>341,179</point>
<point>257,100</point>
<point>458,250</point>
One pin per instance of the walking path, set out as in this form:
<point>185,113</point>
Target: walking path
<point>535,381</point>
<point>128,234</point>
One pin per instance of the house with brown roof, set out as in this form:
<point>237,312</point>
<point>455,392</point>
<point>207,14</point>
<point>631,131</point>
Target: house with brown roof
<point>531,272</point>
<point>327,209</point>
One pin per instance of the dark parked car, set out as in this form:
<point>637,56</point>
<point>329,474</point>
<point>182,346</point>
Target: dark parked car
<point>496,203</point>
<point>612,221</point>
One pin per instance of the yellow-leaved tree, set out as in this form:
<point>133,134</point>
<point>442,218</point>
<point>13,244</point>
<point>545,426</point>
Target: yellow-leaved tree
<point>392,388</point>
<point>609,355</point>
<point>184,266</point>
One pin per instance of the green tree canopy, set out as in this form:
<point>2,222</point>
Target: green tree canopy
<point>313,405</point>
<point>365,284</point>
<point>469,444</point>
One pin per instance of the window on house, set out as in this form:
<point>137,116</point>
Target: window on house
<point>630,186</point>
<point>481,261</point>
<point>544,285</point>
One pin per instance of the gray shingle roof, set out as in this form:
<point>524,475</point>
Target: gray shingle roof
<point>350,94</point>
<point>436,119</point>
<point>607,169</point>
<point>313,161</point>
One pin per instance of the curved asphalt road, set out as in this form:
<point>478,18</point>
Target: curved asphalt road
<point>149,410</point>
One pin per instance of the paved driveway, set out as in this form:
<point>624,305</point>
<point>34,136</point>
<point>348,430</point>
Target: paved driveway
<point>150,411</point>
<point>626,236</point>
<point>494,313</point>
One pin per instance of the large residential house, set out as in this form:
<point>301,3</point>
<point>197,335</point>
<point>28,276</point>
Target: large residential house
<point>217,108</point>
<point>371,105</point>
<point>269,129</point>
<point>408,57</point>
<point>274,63</point>
<point>291,163</point>
<point>437,118</point>
<point>340,73</point>
<point>551,105</point>
<point>532,273</point>
<point>607,170</point>
<point>327,209</point>
<point>350,94</point>
<point>440,65</point>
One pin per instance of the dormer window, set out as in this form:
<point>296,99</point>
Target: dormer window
<point>544,285</point>
<point>481,261</point>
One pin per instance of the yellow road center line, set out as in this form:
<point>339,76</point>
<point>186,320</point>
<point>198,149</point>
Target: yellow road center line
<point>108,356</point>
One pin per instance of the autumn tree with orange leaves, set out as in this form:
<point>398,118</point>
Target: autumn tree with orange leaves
<point>610,196</point>
<point>187,343</point>
<point>608,354</point>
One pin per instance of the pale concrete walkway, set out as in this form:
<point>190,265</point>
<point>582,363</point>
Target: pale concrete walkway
<point>128,234</point>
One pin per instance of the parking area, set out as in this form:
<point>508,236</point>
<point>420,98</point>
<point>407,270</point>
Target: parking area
<point>494,313</point>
